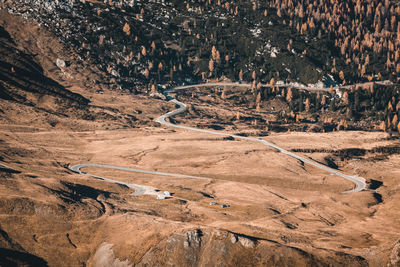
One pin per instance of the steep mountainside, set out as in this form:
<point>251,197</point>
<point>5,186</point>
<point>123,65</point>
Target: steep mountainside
<point>145,42</point>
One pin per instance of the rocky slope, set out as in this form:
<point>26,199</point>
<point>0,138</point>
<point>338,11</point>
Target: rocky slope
<point>43,82</point>
<point>140,43</point>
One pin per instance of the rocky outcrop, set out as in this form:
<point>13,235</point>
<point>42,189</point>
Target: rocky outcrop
<point>395,255</point>
<point>104,257</point>
<point>246,242</point>
<point>193,239</point>
<point>213,247</point>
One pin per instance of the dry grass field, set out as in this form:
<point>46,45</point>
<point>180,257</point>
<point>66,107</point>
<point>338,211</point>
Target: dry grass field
<point>279,211</point>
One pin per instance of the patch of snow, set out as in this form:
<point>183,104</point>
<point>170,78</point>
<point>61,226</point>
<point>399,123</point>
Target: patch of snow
<point>317,85</point>
<point>338,93</point>
<point>268,49</point>
<point>296,84</point>
<point>60,63</point>
<point>256,32</point>
<point>274,52</point>
<point>280,82</point>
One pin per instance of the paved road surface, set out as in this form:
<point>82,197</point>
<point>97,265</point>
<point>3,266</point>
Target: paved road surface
<point>139,189</point>
<point>360,183</point>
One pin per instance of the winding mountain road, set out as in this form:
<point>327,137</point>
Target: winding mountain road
<point>139,189</point>
<point>360,183</point>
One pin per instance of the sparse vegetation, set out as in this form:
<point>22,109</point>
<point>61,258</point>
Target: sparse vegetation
<point>84,86</point>
<point>198,40</point>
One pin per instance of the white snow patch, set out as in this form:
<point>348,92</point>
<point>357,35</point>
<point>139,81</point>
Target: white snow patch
<point>317,85</point>
<point>256,32</point>
<point>338,93</point>
<point>268,49</point>
<point>274,52</point>
<point>280,83</point>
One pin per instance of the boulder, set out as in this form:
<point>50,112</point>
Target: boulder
<point>60,63</point>
<point>247,243</point>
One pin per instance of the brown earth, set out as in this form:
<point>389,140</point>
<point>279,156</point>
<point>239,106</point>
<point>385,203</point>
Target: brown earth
<point>280,212</point>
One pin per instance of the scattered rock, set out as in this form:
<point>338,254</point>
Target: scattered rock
<point>157,95</point>
<point>221,234</point>
<point>395,255</point>
<point>60,63</point>
<point>114,73</point>
<point>234,239</point>
<point>247,243</point>
<point>193,239</point>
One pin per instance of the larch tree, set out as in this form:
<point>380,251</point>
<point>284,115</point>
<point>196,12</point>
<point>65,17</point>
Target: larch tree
<point>211,65</point>
<point>323,100</point>
<point>214,52</point>
<point>289,95</point>
<point>345,98</point>
<point>146,73</point>
<point>144,51</point>
<point>341,75</point>
<point>272,82</point>
<point>307,104</point>
<point>127,29</point>
<point>389,106</point>
<point>241,75</point>
<point>153,88</point>
<point>101,39</point>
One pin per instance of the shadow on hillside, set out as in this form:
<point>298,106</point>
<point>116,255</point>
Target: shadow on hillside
<point>11,258</point>
<point>19,70</point>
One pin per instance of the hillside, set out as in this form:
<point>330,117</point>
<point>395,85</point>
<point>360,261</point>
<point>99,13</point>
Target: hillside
<point>81,82</point>
<point>140,43</point>
<point>139,47</point>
